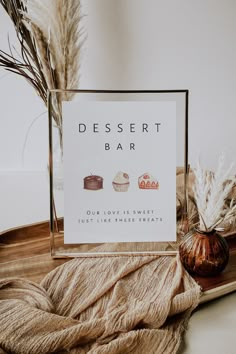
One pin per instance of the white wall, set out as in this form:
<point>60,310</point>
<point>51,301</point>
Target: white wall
<point>140,44</point>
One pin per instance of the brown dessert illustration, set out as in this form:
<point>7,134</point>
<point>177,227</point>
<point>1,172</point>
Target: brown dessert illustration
<point>121,182</point>
<point>93,183</point>
<point>147,181</point>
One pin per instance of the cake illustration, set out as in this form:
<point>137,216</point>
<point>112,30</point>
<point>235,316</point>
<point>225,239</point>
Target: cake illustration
<point>121,182</point>
<point>93,183</point>
<point>147,181</point>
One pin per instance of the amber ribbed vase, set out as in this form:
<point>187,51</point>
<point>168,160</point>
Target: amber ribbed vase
<point>204,253</point>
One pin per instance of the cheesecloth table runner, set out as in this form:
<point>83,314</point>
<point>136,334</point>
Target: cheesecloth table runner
<point>99,305</point>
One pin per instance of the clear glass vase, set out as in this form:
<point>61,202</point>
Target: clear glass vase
<point>58,170</point>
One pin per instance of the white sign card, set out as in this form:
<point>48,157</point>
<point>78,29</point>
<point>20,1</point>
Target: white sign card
<point>119,171</point>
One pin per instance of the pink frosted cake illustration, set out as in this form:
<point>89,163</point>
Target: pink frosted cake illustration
<point>147,181</point>
<point>121,182</point>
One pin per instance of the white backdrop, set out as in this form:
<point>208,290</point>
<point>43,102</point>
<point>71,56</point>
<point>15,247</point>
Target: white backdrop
<point>134,44</point>
<point>139,44</point>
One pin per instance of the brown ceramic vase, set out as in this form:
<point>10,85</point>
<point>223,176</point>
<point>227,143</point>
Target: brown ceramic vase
<point>204,253</point>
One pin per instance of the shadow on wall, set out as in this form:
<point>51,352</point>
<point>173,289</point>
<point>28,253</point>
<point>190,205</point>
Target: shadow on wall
<point>111,46</point>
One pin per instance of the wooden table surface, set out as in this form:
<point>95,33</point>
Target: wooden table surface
<point>25,253</point>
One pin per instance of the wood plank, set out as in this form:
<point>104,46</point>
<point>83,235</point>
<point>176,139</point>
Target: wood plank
<point>24,253</point>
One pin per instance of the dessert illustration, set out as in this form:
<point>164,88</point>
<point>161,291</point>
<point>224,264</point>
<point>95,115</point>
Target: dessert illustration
<point>93,183</point>
<point>147,181</point>
<point>121,182</point>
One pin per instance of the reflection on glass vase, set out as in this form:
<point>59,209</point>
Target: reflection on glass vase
<point>58,172</point>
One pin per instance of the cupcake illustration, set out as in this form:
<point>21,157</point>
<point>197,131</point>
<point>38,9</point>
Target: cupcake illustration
<point>121,182</point>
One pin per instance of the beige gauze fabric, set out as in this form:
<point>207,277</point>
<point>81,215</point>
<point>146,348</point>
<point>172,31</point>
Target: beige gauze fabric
<point>100,305</point>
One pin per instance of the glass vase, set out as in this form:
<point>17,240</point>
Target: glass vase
<point>204,253</point>
<point>58,171</point>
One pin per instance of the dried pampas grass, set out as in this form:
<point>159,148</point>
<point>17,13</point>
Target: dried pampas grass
<point>27,64</point>
<point>50,37</point>
<point>210,193</point>
<point>55,24</point>
<point>229,217</point>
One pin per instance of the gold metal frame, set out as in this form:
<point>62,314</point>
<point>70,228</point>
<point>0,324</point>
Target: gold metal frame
<point>56,224</point>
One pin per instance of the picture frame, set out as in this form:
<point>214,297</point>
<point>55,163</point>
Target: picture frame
<point>56,100</point>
